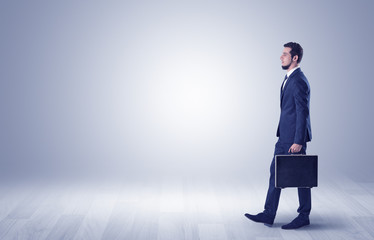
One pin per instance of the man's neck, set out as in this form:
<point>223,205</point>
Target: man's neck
<point>289,72</point>
<point>292,67</point>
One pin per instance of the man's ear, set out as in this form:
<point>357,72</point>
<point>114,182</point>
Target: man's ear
<point>295,58</point>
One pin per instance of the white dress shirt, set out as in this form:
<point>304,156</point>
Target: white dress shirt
<point>288,75</point>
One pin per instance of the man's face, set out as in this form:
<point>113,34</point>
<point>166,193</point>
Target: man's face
<point>286,58</point>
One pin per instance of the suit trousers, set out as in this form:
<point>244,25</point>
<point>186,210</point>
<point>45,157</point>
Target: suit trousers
<point>273,194</point>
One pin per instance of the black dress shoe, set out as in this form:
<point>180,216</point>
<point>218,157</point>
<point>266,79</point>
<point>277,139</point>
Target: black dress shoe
<point>261,217</point>
<point>298,222</point>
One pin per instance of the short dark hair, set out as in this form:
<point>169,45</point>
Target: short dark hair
<point>296,49</point>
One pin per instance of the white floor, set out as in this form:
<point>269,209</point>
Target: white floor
<point>180,208</point>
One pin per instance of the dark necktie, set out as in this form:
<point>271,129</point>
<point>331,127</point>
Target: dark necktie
<point>285,78</point>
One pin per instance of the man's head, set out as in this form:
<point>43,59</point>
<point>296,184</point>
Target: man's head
<point>291,56</point>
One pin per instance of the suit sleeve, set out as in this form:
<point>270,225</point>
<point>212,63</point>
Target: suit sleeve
<point>301,95</point>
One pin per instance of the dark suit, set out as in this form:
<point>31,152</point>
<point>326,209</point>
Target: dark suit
<point>294,127</point>
<point>294,122</point>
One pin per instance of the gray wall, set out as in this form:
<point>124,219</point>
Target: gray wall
<point>127,87</point>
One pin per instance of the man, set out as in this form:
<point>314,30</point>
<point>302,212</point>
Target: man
<point>294,132</point>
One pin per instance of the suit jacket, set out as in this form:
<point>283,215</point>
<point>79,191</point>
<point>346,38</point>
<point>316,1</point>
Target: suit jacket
<point>294,123</point>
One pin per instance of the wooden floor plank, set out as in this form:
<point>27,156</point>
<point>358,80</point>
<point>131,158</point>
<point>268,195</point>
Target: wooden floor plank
<point>120,221</point>
<point>11,196</point>
<point>6,226</point>
<point>66,227</point>
<point>171,226</point>
<point>212,232</point>
<point>97,217</point>
<point>28,206</point>
<point>367,223</point>
<point>146,219</point>
<point>44,219</point>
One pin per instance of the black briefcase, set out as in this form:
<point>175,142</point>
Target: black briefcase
<point>296,171</point>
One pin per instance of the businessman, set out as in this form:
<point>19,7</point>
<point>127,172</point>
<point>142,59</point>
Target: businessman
<point>293,133</point>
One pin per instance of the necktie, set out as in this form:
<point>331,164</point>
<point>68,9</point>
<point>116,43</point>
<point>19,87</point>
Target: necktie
<point>284,82</point>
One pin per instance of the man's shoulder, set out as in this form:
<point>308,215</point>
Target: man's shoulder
<point>298,75</point>
<point>301,82</point>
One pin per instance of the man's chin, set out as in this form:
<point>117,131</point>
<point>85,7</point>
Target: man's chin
<point>286,67</point>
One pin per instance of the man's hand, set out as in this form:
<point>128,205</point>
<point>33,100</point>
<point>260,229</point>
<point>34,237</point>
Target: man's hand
<point>295,148</point>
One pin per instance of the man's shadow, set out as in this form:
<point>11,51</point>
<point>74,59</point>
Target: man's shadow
<point>314,226</point>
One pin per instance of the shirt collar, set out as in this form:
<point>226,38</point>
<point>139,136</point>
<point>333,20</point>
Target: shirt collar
<point>291,71</point>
